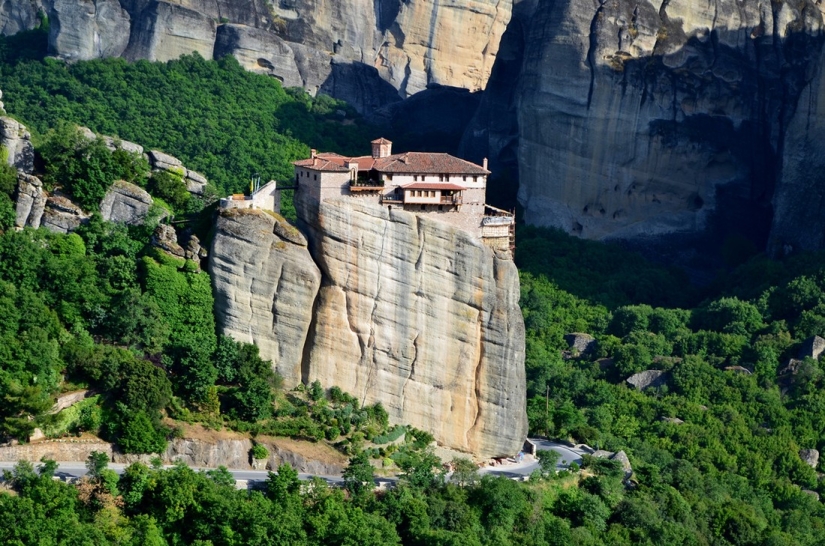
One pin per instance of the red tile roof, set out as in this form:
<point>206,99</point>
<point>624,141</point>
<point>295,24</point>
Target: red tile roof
<point>381,141</point>
<point>320,164</point>
<point>406,163</point>
<point>432,186</point>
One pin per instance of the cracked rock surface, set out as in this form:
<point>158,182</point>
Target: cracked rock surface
<point>420,316</point>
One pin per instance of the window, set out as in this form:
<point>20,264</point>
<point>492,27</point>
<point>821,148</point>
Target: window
<point>316,176</point>
<point>423,207</point>
<point>441,207</point>
<point>389,177</point>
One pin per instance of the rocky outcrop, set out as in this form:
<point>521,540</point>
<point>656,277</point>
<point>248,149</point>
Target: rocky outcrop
<point>412,312</point>
<point>61,215</point>
<point>580,344</point>
<point>367,52</point>
<point>164,31</point>
<point>16,139</point>
<point>88,29</point>
<point>422,317</point>
<point>30,201</point>
<point>160,161</point>
<point>810,457</point>
<point>265,283</point>
<point>627,119</point>
<point>648,378</point>
<point>647,114</point>
<point>55,450</point>
<point>17,16</point>
<point>259,51</point>
<point>813,347</point>
<point>165,238</point>
<point>125,203</point>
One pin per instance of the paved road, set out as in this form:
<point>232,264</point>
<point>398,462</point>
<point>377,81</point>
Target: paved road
<point>514,471</point>
<point>567,455</point>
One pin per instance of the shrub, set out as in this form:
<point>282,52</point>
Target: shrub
<point>259,452</point>
<point>171,188</point>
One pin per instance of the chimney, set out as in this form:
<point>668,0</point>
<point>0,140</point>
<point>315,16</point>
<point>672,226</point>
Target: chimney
<point>313,152</point>
<point>484,163</point>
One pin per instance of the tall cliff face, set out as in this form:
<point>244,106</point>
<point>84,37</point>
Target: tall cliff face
<point>649,118</point>
<point>411,312</point>
<point>423,318</point>
<point>265,283</point>
<point>368,52</point>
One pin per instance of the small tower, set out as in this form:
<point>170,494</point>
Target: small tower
<point>381,148</point>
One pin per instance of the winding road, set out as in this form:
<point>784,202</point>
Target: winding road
<point>516,471</point>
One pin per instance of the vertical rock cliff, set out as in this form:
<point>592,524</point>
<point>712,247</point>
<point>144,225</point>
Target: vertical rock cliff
<point>631,119</point>
<point>422,317</point>
<point>265,283</point>
<point>411,312</point>
<point>368,52</point>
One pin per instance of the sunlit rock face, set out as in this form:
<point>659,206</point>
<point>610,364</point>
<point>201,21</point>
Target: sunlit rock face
<point>401,309</point>
<point>265,283</point>
<point>422,317</point>
<point>368,52</point>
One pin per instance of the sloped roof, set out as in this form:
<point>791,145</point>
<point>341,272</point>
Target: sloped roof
<point>406,163</point>
<point>426,163</point>
<point>381,140</point>
<point>321,164</point>
<point>433,186</point>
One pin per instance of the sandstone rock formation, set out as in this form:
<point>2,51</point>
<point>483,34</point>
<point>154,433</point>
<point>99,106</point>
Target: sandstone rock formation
<point>125,203</point>
<point>164,31</point>
<point>30,201</point>
<point>630,119</point>
<point>88,29</point>
<point>166,239</point>
<point>366,52</point>
<point>16,139</point>
<point>422,317</point>
<point>581,344</point>
<point>17,16</point>
<point>810,457</point>
<point>413,313</point>
<point>260,51</point>
<point>61,215</point>
<point>265,283</point>
<point>648,378</point>
<point>812,347</point>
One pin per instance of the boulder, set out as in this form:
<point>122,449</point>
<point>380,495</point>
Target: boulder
<point>114,143</point>
<point>165,162</point>
<point>62,216</point>
<point>648,378</point>
<point>580,344</point>
<point>265,287</point>
<point>812,347</point>
<point>125,203</point>
<point>30,201</point>
<point>15,138</point>
<point>88,29</point>
<point>673,420</point>
<point>166,239</point>
<point>810,457</point>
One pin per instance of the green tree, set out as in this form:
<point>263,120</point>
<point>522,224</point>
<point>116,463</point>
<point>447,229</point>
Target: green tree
<point>359,476</point>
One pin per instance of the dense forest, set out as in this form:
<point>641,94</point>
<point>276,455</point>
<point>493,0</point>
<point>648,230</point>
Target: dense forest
<point>714,445</point>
